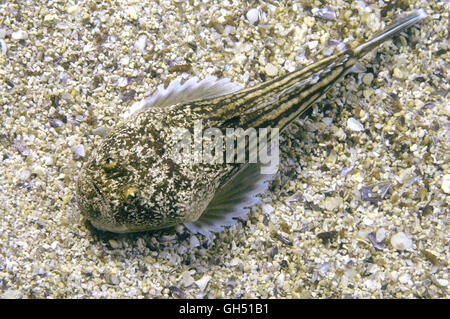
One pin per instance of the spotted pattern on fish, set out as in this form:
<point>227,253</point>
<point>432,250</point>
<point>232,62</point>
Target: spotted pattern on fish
<point>131,183</point>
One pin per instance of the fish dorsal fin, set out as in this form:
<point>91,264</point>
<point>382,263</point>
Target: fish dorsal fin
<point>184,92</point>
<point>232,200</point>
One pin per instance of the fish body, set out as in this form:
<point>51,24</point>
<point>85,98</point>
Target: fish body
<point>131,181</point>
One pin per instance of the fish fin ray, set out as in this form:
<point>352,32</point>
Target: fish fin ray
<point>191,90</point>
<point>232,201</point>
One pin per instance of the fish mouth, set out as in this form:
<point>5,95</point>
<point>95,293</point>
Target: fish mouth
<point>94,205</point>
<point>99,213</point>
<point>97,189</point>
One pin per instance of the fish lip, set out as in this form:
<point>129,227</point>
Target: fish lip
<point>97,189</point>
<point>110,228</point>
<point>102,211</point>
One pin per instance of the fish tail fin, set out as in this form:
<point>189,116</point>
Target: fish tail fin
<point>390,31</point>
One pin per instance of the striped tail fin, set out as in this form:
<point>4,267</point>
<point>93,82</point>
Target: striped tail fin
<point>390,31</point>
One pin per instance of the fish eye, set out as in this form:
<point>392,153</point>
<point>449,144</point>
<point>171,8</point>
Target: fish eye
<point>109,163</point>
<point>112,167</point>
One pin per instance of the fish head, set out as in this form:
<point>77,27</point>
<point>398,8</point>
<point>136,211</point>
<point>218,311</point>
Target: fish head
<point>115,192</point>
<point>99,185</point>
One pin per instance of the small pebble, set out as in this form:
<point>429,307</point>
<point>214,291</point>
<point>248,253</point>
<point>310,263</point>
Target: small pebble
<point>333,44</point>
<point>267,208</point>
<point>19,35</point>
<point>102,131</point>
<point>446,184</point>
<point>187,279</point>
<point>367,78</point>
<point>367,221</point>
<point>24,175</point>
<point>131,13</point>
<point>253,15</point>
<point>280,279</point>
<point>312,44</point>
<point>376,192</point>
<point>193,242</point>
<point>122,82</point>
<point>403,278</point>
<point>55,122</point>
<point>442,282</point>
<point>380,234</point>
<point>323,268</point>
<point>114,244</point>
<point>327,121</point>
<point>48,160</point>
<point>354,125</point>
<point>401,242</point>
<point>231,281</point>
<point>73,9</point>
<point>168,238</point>
<point>374,242</point>
<point>326,13</point>
<point>176,291</point>
<point>271,70</point>
<point>125,60</point>
<point>63,76</point>
<point>24,151</point>
<point>398,74</point>
<point>181,250</point>
<point>331,203</point>
<point>140,43</point>
<point>112,279</point>
<point>234,262</point>
<point>203,282</point>
<point>2,46</point>
<point>11,294</point>
<point>78,151</point>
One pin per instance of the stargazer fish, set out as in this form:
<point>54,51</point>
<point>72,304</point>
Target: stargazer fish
<point>131,182</point>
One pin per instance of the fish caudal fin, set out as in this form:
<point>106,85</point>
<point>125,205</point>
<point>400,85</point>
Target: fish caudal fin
<point>395,28</point>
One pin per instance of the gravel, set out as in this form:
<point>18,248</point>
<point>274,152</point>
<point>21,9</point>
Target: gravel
<point>389,128</point>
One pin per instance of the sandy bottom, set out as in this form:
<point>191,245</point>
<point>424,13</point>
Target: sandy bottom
<point>358,209</point>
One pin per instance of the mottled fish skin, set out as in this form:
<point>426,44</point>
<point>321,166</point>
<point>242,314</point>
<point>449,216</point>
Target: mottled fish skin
<point>130,182</point>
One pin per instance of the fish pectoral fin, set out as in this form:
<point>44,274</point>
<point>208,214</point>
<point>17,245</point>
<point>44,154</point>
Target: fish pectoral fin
<point>191,90</point>
<point>232,201</point>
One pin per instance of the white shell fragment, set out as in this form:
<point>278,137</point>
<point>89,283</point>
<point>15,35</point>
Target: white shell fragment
<point>367,78</point>
<point>271,70</point>
<point>354,125</point>
<point>2,47</point>
<point>380,235</point>
<point>78,151</point>
<point>141,43</point>
<point>446,184</point>
<point>72,10</point>
<point>122,82</point>
<point>187,279</point>
<point>401,242</point>
<point>333,44</point>
<point>203,282</point>
<point>267,208</point>
<point>193,242</point>
<point>19,35</point>
<point>24,175</point>
<point>253,15</point>
<point>326,13</point>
